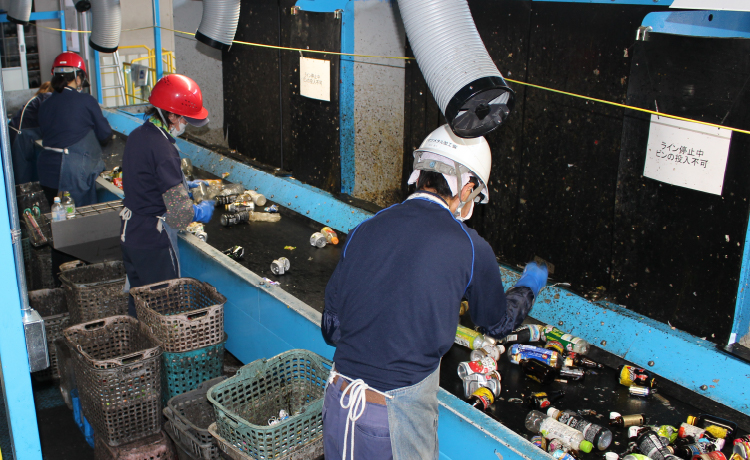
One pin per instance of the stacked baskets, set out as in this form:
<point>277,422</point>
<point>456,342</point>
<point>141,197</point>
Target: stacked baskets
<point>245,404</point>
<point>95,291</point>
<point>52,307</point>
<point>187,317</point>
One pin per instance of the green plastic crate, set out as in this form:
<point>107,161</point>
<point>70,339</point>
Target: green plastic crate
<point>294,381</point>
<point>182,372</point>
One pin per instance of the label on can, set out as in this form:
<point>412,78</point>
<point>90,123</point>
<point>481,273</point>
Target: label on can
<point>548,357</point>
<point>485,365</point>
<point>485,396</point>
<point>566,341</point>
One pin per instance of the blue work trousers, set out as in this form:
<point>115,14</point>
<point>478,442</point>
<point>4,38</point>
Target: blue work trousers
<point>147,266</point>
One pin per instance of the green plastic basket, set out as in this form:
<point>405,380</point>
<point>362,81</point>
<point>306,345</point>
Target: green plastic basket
<point>182,372</point>
<point>294,381</point>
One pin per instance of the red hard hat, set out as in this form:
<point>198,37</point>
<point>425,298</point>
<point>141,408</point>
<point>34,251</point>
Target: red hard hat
<point>68,59</point>
<point>180,95</point>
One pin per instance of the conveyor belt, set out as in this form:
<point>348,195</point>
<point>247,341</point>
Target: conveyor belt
<point>312,267</point>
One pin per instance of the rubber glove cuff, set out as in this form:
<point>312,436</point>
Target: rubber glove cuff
<point>203,211</point>
<point>195,183</point>
<point>534,276</point>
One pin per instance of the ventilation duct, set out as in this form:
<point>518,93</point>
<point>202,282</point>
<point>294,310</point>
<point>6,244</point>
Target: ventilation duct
<point>219,23</point>
<point>19,11</point>
<point>106,23</point>
<point>462,77</point>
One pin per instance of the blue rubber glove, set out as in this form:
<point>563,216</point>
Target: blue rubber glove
<point>195,183</point>
<point>203,211</point>
<point>534,276</point>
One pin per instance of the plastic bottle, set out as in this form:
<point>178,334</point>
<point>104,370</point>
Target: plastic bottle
<point>562,342</point>
<point>257,198</point>
<point>69,204</point>
<point>667,432</point>
<point>624,421</point>
<point>706,421</point>
<point>543,400</point>
<point>550,428</point>
<point>471,338</point>
<point>58,210</point>
<point>318,240</point>
<point>574,359</point>
<point>330,234</point>
<point>635,457</point>
<point>631,375</point>
<point>595,434</point>
<point>493,351</point>
<point>524,334</point>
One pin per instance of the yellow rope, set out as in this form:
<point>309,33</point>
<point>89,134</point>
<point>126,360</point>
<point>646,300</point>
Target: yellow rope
<point>531,85</point>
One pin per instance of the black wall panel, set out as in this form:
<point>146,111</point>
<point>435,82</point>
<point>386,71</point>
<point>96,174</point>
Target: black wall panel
<point>677,251</point>
<point>268,121</point>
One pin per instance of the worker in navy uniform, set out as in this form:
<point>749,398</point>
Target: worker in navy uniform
<point>392,305</point>
<point>157,201</point>
<point>24,132</point>
<point>73,129</point>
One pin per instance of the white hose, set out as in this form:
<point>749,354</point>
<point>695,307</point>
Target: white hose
<point>106,19</point>
<point>219,23</point>
<point>19,11</point>
<point>463,78</point>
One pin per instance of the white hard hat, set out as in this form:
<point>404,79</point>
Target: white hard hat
<point>472,155</point>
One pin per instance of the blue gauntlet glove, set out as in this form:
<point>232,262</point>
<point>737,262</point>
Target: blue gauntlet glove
<point>195,183</point>
<point>534,276</point>
<point>203,211</point>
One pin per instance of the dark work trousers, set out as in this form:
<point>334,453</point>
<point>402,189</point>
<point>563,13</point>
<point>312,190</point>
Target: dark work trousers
<point>58,258</point>
<point>147,266</point>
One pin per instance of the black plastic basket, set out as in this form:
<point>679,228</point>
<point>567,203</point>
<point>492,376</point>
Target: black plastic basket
<point>118,374</point>
<point>188,417</point>
<point>37,266</point>
<point>95,291</point>
<point>66,370</point>
<point>52,307</point>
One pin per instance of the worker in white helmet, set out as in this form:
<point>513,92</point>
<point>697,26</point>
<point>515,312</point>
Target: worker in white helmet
<point>392,304</point>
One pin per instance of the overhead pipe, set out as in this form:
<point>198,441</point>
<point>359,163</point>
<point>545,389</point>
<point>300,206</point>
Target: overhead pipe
<point>219,23</point>
<point>467,86</point>
<point>19,12</point>
<point>106,24</point>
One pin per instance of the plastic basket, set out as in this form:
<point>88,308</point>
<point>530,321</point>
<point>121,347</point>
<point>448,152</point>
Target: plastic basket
<point>157,447</point>
<point>52,307</point>
<point>294,381</point>
<point>81,422</point>
<point>188,417</point>
<point>187,370</point>
<point>118,374</point>
<point>37,266</point>
<point>184,313</point>
<point>66,370</point>
<point>313,450</point>
<point>95,291</point>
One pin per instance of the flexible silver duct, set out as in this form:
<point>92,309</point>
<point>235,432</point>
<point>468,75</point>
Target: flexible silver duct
<point>219,23</point>
<point>106,23</point>
<point>19,11</point>
<point>462,77</point>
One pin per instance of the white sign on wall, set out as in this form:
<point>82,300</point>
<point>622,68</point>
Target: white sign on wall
<point>315,78</point>
<point>687,154</point>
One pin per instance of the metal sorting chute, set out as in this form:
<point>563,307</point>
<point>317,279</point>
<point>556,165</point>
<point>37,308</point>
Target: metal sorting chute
<point>93,235</point>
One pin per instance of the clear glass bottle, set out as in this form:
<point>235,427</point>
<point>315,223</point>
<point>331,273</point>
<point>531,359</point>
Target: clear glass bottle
<point>58,210</point>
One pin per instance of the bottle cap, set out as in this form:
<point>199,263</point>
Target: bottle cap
<point>611,456</point>
<point>335,240</point>
<point>614,415</point>
<point>585,446</point>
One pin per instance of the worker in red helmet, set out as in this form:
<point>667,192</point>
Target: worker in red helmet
<point>73,128</point>
<point>157,201</point>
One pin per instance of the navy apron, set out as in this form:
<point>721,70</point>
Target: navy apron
<point>81,165</point>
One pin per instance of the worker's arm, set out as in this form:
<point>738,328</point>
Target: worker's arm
<point>180,210</point>
<point>329,324</point>
<point>102,130</point>
<point>496,312</point>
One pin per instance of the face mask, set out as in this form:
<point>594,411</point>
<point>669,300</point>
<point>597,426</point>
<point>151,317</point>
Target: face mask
<point>177,129</point>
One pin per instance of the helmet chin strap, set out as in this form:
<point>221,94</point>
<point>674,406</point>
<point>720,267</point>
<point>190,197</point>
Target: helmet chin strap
<point>164,120</point>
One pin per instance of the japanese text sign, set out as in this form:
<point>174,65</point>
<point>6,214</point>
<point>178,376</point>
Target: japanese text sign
<point>687,154</point>
<point>315,78</point>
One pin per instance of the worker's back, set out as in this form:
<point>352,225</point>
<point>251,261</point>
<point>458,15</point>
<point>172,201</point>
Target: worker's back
<point>397,292</point>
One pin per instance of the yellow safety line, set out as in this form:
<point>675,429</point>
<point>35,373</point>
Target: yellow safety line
<point>601,101</point>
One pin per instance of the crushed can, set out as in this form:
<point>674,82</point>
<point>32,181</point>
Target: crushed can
<point>318,240</point>
<point>280,266</point>
<point>493,351</point>
<point>235,252</point>
<point>484,366</point>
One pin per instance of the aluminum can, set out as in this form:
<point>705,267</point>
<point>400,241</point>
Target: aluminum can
<point>318,240</point>
<point>280,266</point>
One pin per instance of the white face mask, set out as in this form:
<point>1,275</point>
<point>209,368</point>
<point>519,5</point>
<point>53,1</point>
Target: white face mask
<point>178,128</point>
